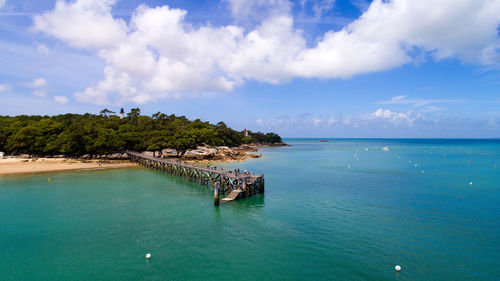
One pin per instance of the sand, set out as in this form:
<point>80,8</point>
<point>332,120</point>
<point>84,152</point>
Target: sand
<point>12,166</point>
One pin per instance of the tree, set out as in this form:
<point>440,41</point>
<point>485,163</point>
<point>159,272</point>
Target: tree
<point>24,141</point>
<point>134,114</point>
<point>106,112</point>
<point>75,134</point>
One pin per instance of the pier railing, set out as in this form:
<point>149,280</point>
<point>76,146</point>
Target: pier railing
<point>230,184</point>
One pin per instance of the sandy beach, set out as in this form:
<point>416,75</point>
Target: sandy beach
<point>12,166</point>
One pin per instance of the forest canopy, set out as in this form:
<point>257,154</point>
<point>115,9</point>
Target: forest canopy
<point>106,133</point>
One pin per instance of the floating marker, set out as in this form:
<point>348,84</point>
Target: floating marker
<point>49,179</point>
<point>470,183</point>
<point>423,171</point>
<point>397,268</point>
<point>148,256</point>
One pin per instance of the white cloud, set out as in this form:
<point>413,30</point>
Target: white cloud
<point>2,3</point>
<point>248,11</point>
<point>417,102</point>
<point>61,100</point>
<point>83,24</point>
<point>362,5</point>
<point>42,49</point>
<point>40,93</point>
<point>322,7</point>
<point>331,121</point>
<point>393,117</point>
<point>158,54</point>
<point>381,118</point>
<point>5,88</point>
<point>38,83</point>
<point>319,8</point>
<point>317,121</point>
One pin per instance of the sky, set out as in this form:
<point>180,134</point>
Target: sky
<point>305,68</point>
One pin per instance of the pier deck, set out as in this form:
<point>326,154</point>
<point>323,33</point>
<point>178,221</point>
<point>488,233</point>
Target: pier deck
<point>223,181</point>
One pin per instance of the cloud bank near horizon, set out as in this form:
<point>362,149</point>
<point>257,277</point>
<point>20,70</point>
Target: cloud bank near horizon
<point>158,54</point>
<point>382,122</point>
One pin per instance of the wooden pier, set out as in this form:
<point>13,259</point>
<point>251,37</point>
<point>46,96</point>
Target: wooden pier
<point>229,185</point>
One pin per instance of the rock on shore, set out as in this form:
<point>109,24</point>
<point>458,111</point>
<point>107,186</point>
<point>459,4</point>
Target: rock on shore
<point>218,153</point>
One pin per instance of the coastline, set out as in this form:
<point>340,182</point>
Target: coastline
<point>18,166</point>
<point>202,155</point>
<point>218,154</point>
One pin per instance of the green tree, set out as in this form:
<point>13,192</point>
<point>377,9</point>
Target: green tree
<point>75,134</point>
<point>134,114</point>
<point>106,112</point>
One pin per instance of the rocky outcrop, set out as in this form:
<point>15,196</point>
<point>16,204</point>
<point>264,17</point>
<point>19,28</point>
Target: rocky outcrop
<point>217,153</point>
<point>201,152</point>
<point>169,153</point>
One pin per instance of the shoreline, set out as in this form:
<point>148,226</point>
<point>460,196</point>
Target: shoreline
<point>16,166</point>
<point>215,154</point>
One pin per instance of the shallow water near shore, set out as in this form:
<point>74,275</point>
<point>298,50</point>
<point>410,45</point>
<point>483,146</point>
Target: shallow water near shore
<point>337,210</point>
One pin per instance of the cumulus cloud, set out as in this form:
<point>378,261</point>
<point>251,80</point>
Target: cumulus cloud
<point>61,100</point>
<point>38,83</point>
<point>379,118</point>
<point>382,122</point>
<point>83,24</point>
<point>4,88</point>
<point>158,54</point>
<point>393,117</point>
<point>314,10</point>
<point>39,87</point>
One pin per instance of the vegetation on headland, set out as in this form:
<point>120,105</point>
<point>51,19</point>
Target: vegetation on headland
<point>77,135</point>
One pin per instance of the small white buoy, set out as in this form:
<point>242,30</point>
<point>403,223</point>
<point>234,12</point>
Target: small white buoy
<point>423,171</point>
<point>470,183</point>
<point>397,268</point>
<point>148,256</point>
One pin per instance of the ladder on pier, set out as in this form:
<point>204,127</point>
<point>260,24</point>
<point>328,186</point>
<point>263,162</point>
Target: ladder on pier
<point>233,195</point>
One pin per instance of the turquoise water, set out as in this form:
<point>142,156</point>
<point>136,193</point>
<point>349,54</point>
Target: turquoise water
<point>340,210</point>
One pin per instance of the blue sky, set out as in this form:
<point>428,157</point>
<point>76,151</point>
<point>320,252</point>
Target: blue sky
<point>349,68</point>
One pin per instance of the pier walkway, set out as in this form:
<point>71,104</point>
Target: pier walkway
<point>229,184</point>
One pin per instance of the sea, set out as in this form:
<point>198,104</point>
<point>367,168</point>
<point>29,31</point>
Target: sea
<point>335,209</point>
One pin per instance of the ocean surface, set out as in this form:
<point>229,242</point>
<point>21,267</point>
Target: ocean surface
<point>337,210</point>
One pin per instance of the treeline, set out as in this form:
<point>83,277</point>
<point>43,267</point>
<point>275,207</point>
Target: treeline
<point>106,133</point>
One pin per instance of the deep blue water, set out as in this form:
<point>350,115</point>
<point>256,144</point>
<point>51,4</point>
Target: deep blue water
<point>337,210</point>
